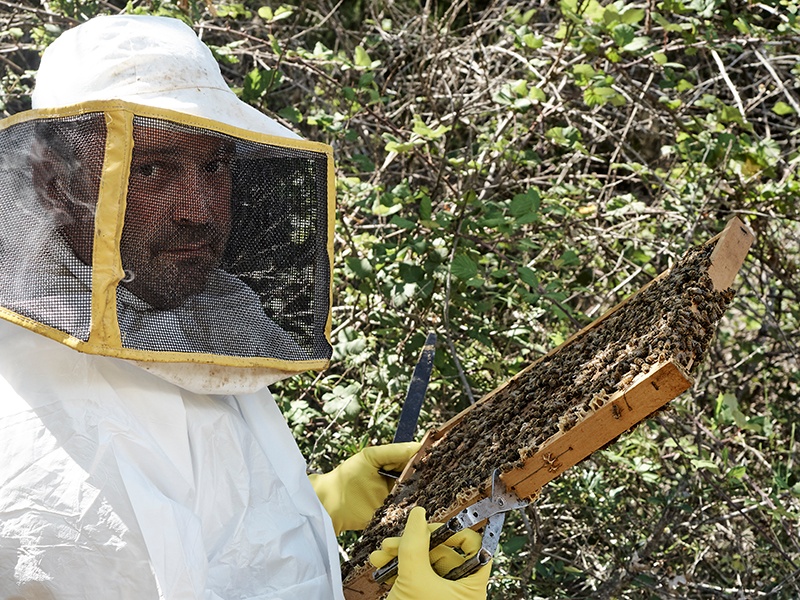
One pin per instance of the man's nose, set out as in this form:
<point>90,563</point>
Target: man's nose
<point>195,201</point>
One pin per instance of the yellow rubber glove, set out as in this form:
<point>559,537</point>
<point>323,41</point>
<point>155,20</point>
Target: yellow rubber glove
<point>444,558</point>
<point>416,578</point>
<point>354,490</point>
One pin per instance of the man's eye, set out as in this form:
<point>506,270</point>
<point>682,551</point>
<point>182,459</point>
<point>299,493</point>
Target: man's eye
<point>146,170</point>
<point>216,165</point>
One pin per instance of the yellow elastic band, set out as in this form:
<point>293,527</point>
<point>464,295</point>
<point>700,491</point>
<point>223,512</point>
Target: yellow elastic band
<point>106,262</point>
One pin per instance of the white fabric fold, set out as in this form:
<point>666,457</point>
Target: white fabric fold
<point>116,484</point>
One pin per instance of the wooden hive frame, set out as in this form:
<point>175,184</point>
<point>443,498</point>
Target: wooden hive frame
<point>642,397</point>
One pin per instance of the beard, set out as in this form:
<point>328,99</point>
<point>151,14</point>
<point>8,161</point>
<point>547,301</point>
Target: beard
<point>173,265</point>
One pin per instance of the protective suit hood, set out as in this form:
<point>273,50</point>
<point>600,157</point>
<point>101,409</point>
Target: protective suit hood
<point>155,61</point>
<point>146,213</point>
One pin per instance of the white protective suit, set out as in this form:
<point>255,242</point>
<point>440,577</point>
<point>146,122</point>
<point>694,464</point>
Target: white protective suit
<point>118,483</point>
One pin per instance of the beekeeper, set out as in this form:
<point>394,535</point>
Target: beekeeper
<point>165,255</point>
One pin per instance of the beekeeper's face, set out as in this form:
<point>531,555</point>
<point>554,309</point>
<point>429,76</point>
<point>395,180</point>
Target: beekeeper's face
<point>178,214</point>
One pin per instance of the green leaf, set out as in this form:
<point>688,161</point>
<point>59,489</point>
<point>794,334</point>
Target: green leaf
<point>638,43</point>
<point>568,258</point>
<point>299,413</point>
<point>257,81</point>
<point>564,136</point>
<point>425,208</point>
<point>730,114</point>
<point>291,114</point>
<point>593,10</point>
<point>583,73</point>
<point>571,569</point>
<point>668,26</point>
<point>537,94</point>
<point>524,205</point>
<point>321,51</point>
<point>622,35</point>
<point>671,104</point>
<point>533,41</point>
<point>659,58</point>
<point>513,544</point>
<point>402,222</point>
<point>520,87</point>
<point>529,277</point>
<point>385,206</point>
<point>234,11</point>
<point>699,463</point>
<point>275,45</point>
<point>595,96</point>
<point>363,162</point>
<point>782,109</point>
<point>366,80</point>
<point>270,16</point>
<point>360,267</point>
<point>422,130</point>
<point>737,473</point>
<point>632,15</point>
<point>463,267</point>
<point>623,205</point>
<point>705,8</point>
<point>362,59</point>
<point>284,11</point>
<point>393,144</point>
<point>411,273</point>
<point>342,400</point>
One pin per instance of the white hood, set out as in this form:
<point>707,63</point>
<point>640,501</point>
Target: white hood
<point>155,61</point>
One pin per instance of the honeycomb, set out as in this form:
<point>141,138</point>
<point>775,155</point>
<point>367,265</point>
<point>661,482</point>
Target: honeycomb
<point>671,319</point>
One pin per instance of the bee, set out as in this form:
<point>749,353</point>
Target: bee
<point>615,411</point>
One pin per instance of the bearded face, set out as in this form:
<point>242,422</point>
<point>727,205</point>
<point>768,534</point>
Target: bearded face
<point>177,216</point>
<point>177,212</point>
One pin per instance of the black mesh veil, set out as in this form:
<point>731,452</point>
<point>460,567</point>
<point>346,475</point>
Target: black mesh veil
<point>281,242</point>
<point>49,180</point>
<point>222,242</point>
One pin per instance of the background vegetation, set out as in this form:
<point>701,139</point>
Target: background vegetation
<point>507,171</point>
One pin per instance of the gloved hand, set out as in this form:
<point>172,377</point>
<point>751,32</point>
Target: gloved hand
<point>416,578</point>
<point>443,558</point>
<point>354,490</point>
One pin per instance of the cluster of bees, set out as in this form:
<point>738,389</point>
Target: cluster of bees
<point>671,319</point>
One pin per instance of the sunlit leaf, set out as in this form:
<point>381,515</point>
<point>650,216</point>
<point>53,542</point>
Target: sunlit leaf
<point>463,267</point>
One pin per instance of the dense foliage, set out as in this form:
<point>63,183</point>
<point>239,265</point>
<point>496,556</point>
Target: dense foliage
<point>507,171</point>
